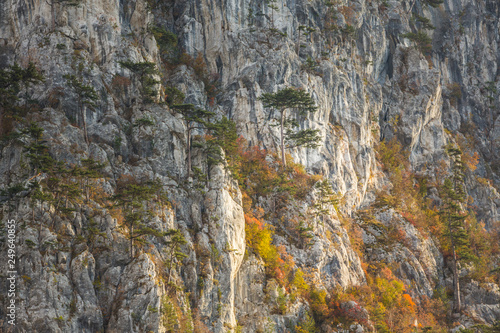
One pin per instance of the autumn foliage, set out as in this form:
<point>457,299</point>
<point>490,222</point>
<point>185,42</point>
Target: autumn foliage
<point>259,239</point>
<point>261,174</point>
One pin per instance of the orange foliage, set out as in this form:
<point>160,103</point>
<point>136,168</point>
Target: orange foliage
<point>349,14</point>
<point>386,273</point>
<point>471,160</point>
<point>261,174</point>
<point>120,82</point>
<point>408,302</point>
<point>408,194</point>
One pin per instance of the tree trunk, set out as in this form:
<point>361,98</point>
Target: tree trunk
<point>189,151</point>
<point>282,139</point>
<point>53,14</point>
<point>170,264</point>
<point>84,112</point>
<point>298,42</point>
<point>131,246</point>
<point>457,305</point>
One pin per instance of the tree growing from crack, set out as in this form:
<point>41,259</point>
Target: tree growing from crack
<point>282,101</point>
<point>132,197</point>
<point>86,98</point>
<point>194,118</point>
<point>453,217</point>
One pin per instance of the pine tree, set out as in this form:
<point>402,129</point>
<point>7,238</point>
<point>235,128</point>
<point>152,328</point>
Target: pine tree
<point>222,137</point>
<point>86,96</point>
<point>453,217</point>
<point>90,171</point>
<point>174,253</point>
<point>145,72</point>
<point>194,118</point>
<point>291,98</point>
<point>433,3</point>
<point>37,151</point>
<point>272,5</point>
<point>132,197</point>
<point>326,198</point>
<point>307,32</point>
<point>13,81</point>
<point>300,29</point>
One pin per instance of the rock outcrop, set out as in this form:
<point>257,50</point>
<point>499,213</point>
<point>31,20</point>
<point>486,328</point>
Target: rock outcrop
<point>371,81</point>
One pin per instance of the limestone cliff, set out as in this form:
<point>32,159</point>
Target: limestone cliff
<point>417,72</point>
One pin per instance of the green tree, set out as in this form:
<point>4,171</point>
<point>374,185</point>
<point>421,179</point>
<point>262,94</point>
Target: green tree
<point>13,81</point>
<point>307,32</point>
<point>64,189</point>
<point>424,21</point>
<point>422,40</point>
<point>37,150</point>
<point>326,198</point>
<point>306,325</point>
<point>194,118</point>
<point>173,96</point>
<point>223,136</point>
<point>86,97</point>
<point>132,197</point>
<point>433,3</point>
<point>145,72</point>
<point>291,98</point>
<point>300,29</point>
<point>37,195</point>
<point>93,232</point>
<point>453,217</point>
<point>166,41</point>
<point>174,252</point>
<point>271,4</point>
<point>90,171</point>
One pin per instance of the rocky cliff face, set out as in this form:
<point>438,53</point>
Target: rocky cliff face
<point>371,83</point>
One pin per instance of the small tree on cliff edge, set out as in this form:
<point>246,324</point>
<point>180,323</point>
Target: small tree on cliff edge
<point>194,118</point>
<point>290,98</point>
<point>453,217</point>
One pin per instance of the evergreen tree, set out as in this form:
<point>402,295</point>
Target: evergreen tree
<point>307,32</point>
<point>93,231</point>
<point>300,29</point>
<point>166,42</point>
<point>145,72</point>
<point>86,96</point>
<point>132,197</point>
<point>453,217</point>
<point>222,136</point>
<point>290,98</point>
<point>89,172</point>
<point>13,81</point>
<point>271,4</point>
<point>64,190</point>
<point>306,325</point>
<point>174,253</point>
<point>326,198</point>
<point>194,118</point>
<point>37,150</point>
<point>433,3</point>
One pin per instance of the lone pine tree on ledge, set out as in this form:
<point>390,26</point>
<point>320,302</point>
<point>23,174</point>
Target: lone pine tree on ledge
<point>291,98</point>
<point>453,216</point>
<point>194,118</point>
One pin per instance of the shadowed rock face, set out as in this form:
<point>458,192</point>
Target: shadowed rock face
<point>369,86</point>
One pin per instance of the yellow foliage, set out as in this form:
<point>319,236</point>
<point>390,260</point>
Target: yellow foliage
<point>259,239</point>
<point>299,282</point>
